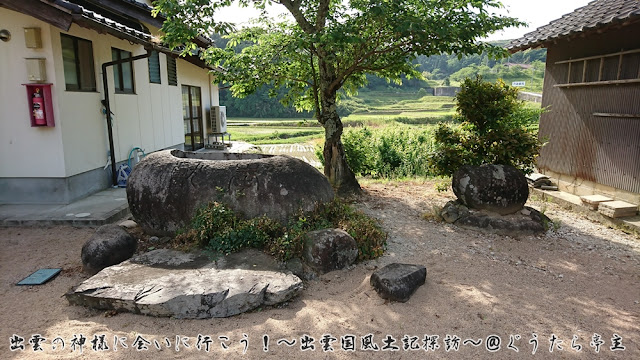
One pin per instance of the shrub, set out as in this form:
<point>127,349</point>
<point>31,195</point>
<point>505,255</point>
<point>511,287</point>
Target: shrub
<point>390,152</point>
<point>496,128</point>
<point>217,229</point>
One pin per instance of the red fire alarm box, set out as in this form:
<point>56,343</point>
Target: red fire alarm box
<point>40,104</point>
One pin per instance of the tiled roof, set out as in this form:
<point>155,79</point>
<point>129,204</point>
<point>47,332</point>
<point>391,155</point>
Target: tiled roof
<point>93,16</point>
<point>596,14</point>
<point>102,21</point>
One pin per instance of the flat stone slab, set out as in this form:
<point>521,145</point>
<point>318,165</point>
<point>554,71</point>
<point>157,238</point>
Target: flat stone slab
<point>527,221</point>
<point>593,201</point>
<point>397,282</point>
<point>169,283</point>
<point>616,209</point>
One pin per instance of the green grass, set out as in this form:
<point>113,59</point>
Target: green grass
<point>383,109</point>
<point>275,134</point>
<point>406,109</point>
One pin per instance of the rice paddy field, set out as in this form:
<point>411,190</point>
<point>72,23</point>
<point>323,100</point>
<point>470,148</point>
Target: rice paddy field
<point>375,110</point>
<point>386,134</point>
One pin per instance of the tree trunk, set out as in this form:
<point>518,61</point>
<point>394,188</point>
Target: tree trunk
<point>336,168</point>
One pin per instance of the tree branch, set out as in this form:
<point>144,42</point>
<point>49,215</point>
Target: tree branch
<point>341,78</point>
<point>316,95</point>
<point>323,12</point>
<point>294,8</point>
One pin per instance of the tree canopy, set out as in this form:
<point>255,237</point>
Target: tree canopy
<point>332,45</point>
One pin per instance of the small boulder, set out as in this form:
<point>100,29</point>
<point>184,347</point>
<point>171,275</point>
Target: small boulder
<point>452,211</point>
<point>329,249</point>
<point>499,188</point>
<point>110,245</point>
<point>128,224</point>
<point>397,282</point>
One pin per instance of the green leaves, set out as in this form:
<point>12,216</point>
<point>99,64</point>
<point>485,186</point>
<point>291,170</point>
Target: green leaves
<point>496,128</point>
<point>349,39</point>
<point>331,45</point>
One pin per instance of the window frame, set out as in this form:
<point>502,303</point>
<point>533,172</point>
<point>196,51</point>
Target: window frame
<point>80,87</point>
<point>172,64</point>
<point>606,65</point>
<point>120,89</point>
<point>193,119</point>
<point>156,66</point>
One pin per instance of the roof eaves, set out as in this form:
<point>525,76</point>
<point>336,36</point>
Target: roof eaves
<point>595,15</point>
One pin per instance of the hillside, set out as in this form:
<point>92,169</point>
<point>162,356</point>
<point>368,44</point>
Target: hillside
<point>439,70</point>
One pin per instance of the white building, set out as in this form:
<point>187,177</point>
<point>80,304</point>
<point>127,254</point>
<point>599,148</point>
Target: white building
<point>158,102</point>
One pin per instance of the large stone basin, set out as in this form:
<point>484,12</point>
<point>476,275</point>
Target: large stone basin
<point>167,187</point>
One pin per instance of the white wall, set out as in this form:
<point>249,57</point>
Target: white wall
<point>26,151</point>
<point>150,119</point>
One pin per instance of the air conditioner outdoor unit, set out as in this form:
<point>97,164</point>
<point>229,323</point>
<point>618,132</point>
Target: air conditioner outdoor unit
<point>218,119</point>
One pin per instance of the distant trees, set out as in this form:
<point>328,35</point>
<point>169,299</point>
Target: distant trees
<point>330,47</point>
<point>442,66</point>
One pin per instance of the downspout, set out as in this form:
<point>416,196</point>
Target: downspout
<point>114,176</point>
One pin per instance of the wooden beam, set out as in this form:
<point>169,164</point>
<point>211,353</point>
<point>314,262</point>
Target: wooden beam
<point>40,11</point>
<point>635,51</point>
<point>597,83</point>
<point>602,68</point>
<point>619,66</point>
<point>628,116</point>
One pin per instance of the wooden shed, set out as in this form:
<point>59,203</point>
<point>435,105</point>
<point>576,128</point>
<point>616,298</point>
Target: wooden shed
<point>592,92</point>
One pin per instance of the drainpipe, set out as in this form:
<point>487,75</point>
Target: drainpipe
<point>114,176</point>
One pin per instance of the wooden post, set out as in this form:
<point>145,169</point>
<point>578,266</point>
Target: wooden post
<point>601,68</point>
<point>619,66</point>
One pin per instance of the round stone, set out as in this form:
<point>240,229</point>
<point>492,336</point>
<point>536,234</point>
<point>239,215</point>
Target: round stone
<point>499,188</point>
<point>166,188</point>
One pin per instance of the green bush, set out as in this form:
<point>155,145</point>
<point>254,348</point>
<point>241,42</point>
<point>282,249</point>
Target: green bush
<point>496,128</point>
<point>219,230</point>
<point>391,152</point>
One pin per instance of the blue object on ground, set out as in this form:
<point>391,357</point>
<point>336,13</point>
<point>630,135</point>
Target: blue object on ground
<point>123,174</point>
<point>39,277</point>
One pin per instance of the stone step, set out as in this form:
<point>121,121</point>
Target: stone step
<point>593,201</point>
<point>617,209</point>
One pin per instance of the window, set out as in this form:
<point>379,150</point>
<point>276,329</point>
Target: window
<point>172,73</point>
<point>609,69</point>
<point>122,73</point>
<point>192,117</point>
<point>77,59</point>
<point>154,68</point>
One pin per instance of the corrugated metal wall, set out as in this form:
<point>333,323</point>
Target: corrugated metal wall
<point>602,149</point>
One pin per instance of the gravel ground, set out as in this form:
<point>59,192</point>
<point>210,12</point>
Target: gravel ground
<point>571,287</point>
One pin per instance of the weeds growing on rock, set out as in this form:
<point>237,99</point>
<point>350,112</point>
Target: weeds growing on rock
<point>219,230</point>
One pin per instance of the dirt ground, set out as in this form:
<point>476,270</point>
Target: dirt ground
<point>576,286</point>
